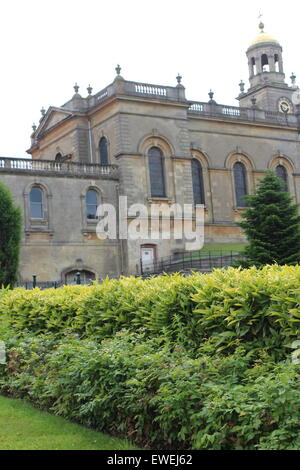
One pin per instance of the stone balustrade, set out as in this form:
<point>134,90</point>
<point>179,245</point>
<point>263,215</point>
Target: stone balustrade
<point>177,93</point>
<point>58,168</point>
<point>239,113</point>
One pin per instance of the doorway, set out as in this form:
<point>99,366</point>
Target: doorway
<point>148,257</point>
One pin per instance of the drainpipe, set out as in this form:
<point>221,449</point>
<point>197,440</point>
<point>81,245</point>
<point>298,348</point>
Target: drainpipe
<point>118,230</point>
<point>90,141</point>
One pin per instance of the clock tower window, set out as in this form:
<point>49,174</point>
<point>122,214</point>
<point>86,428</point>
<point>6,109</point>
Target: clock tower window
<point>265,63</point>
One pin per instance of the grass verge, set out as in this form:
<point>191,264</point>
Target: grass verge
<point>23,427</point>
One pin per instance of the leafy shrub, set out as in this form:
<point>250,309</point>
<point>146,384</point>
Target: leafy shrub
<point>202,362</point>
<point>258,308</point>
<point>137,387</point>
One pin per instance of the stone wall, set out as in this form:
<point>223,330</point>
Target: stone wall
<point>65,239</point>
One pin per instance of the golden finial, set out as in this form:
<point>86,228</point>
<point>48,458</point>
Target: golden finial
<point>261,24</point>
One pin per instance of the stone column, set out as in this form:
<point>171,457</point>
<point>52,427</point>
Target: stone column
<point>271,60</point>
<point>258,64</point>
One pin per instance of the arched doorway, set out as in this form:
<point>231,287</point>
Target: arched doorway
<point>86,276</point>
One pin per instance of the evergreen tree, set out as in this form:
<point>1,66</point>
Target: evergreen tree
<point>272,224</point>
<point>10,236</point>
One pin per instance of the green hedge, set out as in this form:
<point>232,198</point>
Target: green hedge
<point>258,307</point>
<point>200,362</point>
<point>136,387</point>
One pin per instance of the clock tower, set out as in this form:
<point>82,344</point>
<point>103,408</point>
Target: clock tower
<point>266,76</point>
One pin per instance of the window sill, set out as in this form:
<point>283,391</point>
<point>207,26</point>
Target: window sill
<point>38,221</point>
<point>38,230</point>
<point>162,199</point>
<point>92,221</point>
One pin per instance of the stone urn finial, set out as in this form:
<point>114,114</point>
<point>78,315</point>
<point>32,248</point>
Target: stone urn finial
<point>179,78</point>
<point>242,86</point>
<point>293,78</point>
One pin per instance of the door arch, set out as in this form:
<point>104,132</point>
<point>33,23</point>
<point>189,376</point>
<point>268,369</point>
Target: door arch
<point>86,276</point>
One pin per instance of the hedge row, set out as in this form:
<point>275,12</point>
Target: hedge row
<point>257,307</point>
<point>203,363</point>
<point>135,387</point>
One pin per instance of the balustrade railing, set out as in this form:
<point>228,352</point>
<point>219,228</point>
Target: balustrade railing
<point>156,91</point>
<point>102,95</point>
<point>146,90</point>
<point>150,90</point>
<point>49,166</point>
<point>247,114</point>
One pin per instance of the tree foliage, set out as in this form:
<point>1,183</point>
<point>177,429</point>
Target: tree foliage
<point>272,224</point>
<point>10,235</point>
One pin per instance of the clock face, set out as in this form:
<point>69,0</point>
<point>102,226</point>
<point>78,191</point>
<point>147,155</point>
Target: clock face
<point>285,105</point>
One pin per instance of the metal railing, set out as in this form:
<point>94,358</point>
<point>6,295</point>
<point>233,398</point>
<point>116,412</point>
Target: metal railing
<point>182,262</point>
<point>191,261</point>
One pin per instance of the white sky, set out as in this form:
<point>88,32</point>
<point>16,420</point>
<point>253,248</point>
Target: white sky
<point>48,45</point>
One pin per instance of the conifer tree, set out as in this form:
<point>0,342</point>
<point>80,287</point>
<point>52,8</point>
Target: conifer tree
<point>271,224</point>
<point>10,235</point>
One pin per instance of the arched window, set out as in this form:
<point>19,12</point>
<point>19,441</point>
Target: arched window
<point>36,201</point>
<point>282,175</point>
<point>156,170</point>
<point>103,151</point>
<point>197,179</point>
<point>58,157</point>
<point>91,204</point>
<point>265,63</point>
<point>240,183</point>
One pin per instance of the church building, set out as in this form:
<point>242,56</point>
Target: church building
<point>152,144</point>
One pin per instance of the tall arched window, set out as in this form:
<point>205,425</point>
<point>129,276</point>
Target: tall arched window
<point>282,175</point>
<point>240,183</point>
<point>197,179</point>
<point>36,201</point>
<point>156,170</point>
<point>58,157</point>
<point>265,63</point>
<point>103,151</point>
<point>91,204</point>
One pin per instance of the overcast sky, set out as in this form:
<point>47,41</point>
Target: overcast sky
<point>47,46</point>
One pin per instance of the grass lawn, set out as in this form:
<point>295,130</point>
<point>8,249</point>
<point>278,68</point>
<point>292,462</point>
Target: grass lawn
<point>224,247</point>
<point>214,249</point>
<point>23,427</point>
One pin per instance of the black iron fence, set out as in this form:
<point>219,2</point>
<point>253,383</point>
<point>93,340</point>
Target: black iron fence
<point>191,261</point>
<point>52,284</point>
<point>42,285</point>
<point>180,262</point>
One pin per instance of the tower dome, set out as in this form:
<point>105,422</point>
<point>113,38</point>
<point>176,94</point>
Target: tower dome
<point>263,38</point>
